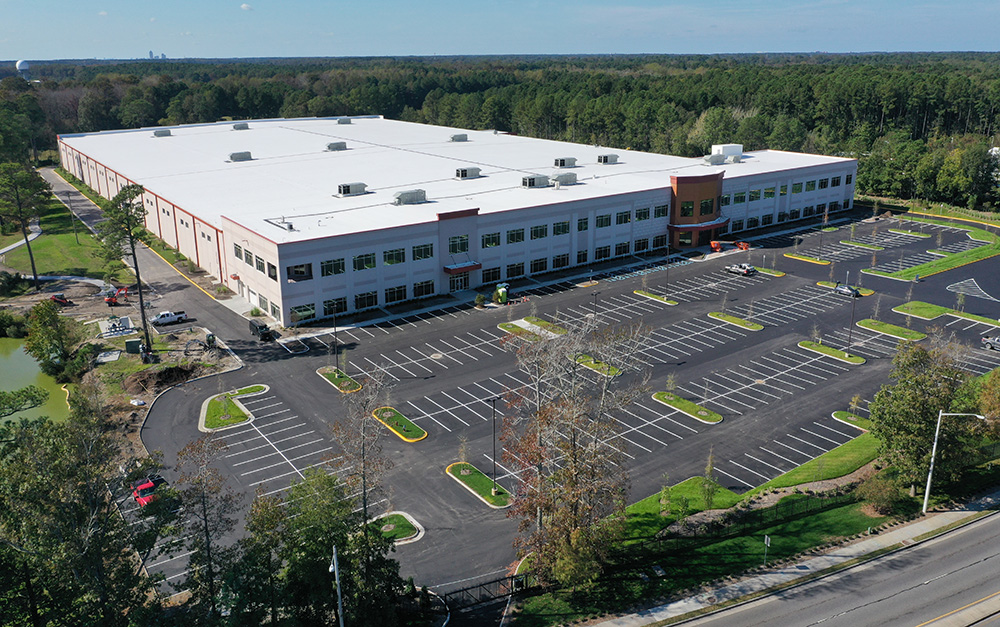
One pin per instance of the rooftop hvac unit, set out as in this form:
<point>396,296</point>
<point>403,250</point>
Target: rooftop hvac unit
<point>240,156</point>
<point>727,149</point>
<point>566,178</point>
<point>536,180</point>
<point>467,173</point>
<point>161,132</point>
<point>343,120</point>
<point>351,189</point>
<point>409,197</point>
<point>241,126</point>
<point>336,146</point>
<point>565,162</point>
<point>715,159</point>
<point>607,159</point>
<point>736,158</point>
<point>459,137</point>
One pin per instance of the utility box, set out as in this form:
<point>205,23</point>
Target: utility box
<point>132,346</point>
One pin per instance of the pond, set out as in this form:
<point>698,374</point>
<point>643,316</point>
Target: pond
<point>18,369</point>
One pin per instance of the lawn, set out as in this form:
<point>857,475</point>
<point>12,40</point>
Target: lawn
<point>836,462</point>
<point>339,379</point>
<point>864,291</point>
<point>657,297</point>
<point>694,410</point>
<point>519,331</point>
<point>807,258</point>
<point>861,245</point>
<point>928,311</point>
<point>853,419</point>
<point>645,519</point>
<point>401,527</point>
<point>545,324</point>
<point>740,322</point>
<point>771,271</point>
<point>223,412</point>
<point>823,349</point>
<point>914,233</point>
<point>598,366</point>
<point>890,329</point>
<point>948,262</point>
<point>479,484</point>
<point>82,187</point>
<point>399,424</point>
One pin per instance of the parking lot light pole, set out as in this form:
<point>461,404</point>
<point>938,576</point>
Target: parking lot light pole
<point>335,569</point>
<point>336,343</point>
<point>594,294</point>
<point>937,432</point>
<point>493,402</point>
<point>850,329</point>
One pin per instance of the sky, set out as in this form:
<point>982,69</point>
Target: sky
<point>129,29</point>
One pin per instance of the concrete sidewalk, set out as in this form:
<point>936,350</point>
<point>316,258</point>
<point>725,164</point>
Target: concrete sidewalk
<point>34,232</point>
<point>903,536</point>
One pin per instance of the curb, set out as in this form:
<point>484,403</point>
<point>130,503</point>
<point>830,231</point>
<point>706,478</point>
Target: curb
<point>398,434</point>
<point>471,491</point>
<point>410,519</point>
<point>698,418</point>
<point>846,361</point>
<point>234,399</point>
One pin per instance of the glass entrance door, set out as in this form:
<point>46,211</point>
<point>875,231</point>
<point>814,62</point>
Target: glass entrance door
<point>458,282</point>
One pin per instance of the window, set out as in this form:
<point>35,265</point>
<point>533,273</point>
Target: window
<point>739,198</point>
<point>754,195</point>
<point>560,261</point>
<point>515,236</point>
<point>275,311</point>
<point>272,272</point>
<point>768,219</point>
<point>622,248</point>
<point>687,208</point>
<point>560,228</point>
<point>782,216</point>
<point>835,206</point>
<point>490,275</point>
<point>796,188</point>
<point>604,221</point>
<point>660,211</point>
<point>582,224</point>
<point>684,238</point>
<point>539,265</point>
<point>425,251</point>
<point>821,208</point>
<point>301,272</point>
<point>394,256</point>
<point>753,223</point>
<point>366,300</point>
<point>847,181</point>
<point>623,217</point>
<point>642,214</point>
<point>238,250</point>
<point>248,257</point>
<point>581,256</point>
<point>835,181</point>
<point>259,263</point>
<point>301,313</point>
<point>737,226</point>
<point>490,240</point>
<point>426,288</point>
<point>602,252</point>
<point>847,203</point>
<point>395,294</point>
<point>793,214</point>
<point>334,306</point>
<point>262,301</point>
<point>808,211</point>
<point>783,190</point>
<point>515,270</point>
<point>823,183</point>
<point>810,186</point>
<point>331,267</point>
<point>364,262</point>
<point>458,244</point>
<point>768,192</point>
<point>540,231</point>
<point>660,241</point>
<point>707,207</point>
<point>724,200</point>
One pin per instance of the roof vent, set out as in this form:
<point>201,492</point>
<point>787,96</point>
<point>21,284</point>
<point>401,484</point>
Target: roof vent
<point>460,137</point>
<point>607,159</point>
<point>351,189</point>
<point>241,126</point>
<point>240,156</point>
<point>161,132</point>
<point>565,178</point>
<point>336,146</point>
<point>343,120</point>
<point>409,197</point>
<point>565,162</point>
<point>735,158</point>
<point>715,159</point>
<point>467,173</point>
<point>535,180</point>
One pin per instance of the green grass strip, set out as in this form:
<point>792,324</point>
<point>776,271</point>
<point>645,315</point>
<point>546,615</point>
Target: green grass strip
<point>914,233</point>
<point>949,262</point>
<point>657,297</point>
<point>598,366</point>
<point>519,331</point>
<point>940,253</point>
<point>739,322</point>
<point>545,324</point>
<point>223,412</point>
<point>837,462</point>
<point>890,329</point>
<point>823,349</point>
<point>864,291</point>
<point>399,424</point>
<point>683,405</point>
<point>340,380</point>
<point>401,527</point>
<point>853,419</point>
<point>771,271</point>
<point>862,245</point>
<point>644,518</point>
<point>807,258</point>
<point>928,311</point>
<point>829,229</point>
<point>479,484</point>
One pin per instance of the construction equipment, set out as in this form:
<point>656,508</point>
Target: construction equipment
<point>717,246</point>
<point>116,298</point>
<point>743,245</point>
<point>61,300</point>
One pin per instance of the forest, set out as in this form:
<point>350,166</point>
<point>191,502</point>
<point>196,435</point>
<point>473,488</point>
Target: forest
<point>920,124</point>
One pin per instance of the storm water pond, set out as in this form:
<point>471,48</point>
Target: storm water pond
<point>18,369</point>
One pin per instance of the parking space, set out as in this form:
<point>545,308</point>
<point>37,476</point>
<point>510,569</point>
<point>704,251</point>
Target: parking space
<point>433,357</point>
<point>710,285</point>
<point>978,361</point>
<point>642,270</point>
<point>863,342</point>
<point>901,262</point>
<point>957,323</point>
<point>681,340</point>
<point>961,246</point>
<point>797,304</point>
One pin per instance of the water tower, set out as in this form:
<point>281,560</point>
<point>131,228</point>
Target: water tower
<point>22,69</point>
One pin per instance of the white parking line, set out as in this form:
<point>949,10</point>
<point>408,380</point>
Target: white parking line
<point>764,477</point>
<point>807,443</point>
<point>761,461</point>
<point>723,472</point>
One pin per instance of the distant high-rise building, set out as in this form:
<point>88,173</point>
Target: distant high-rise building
<point>151,54</point>
<point>163,56</point>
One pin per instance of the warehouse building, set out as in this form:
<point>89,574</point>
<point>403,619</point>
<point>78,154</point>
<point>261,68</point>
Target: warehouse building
<point>308,218</point>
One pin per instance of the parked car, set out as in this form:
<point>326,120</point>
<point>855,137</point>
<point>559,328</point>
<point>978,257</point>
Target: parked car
<point>846,290</point>
<point>144,490</point>
<point>261,330</point>
<point>742,268</point>
<point>169,317</point>
<point>991,343</point>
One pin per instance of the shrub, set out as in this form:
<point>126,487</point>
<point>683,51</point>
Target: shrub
<point>13,325</point>
<point>480,300</point>
<point>881,492</point>
<point>255,312</point>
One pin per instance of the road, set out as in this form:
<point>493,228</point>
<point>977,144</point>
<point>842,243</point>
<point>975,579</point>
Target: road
<point>951,580</point>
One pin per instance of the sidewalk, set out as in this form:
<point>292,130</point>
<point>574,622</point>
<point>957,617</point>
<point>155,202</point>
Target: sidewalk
<point>901,537</point>
<point>35,231</point>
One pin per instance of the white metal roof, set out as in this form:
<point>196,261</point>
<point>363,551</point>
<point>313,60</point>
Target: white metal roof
<point>292,176</point>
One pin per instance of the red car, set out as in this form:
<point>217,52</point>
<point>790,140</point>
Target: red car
<point>144,490</point>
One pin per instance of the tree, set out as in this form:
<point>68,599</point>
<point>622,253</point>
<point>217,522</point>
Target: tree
<point>254,585</point>
<point>119,232</point>
<point>22,194</point>
<point>709,484</point>
<point>19,400</point>
<point>51,337</point>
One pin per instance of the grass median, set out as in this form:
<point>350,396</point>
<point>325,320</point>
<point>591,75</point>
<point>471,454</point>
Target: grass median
<point>519,331</point>
<point>733,320</point>
<point>656,297</point>
<point>223,412</point>
<point>399,424</point>
<point>808,259</point>
<point>683,405</point>
<point>598,366</point>
<point>853,419</point>
<point>892,330</point>
<point>838,354</point>
<point>479,484</point>
<point>546,325</point>
<point>848,242</point>
<point>396,527</point>
<point>929,311</point>
<point>339,379</point>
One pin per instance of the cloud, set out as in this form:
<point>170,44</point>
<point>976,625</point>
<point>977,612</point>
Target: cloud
<point>102,13</point>
<point>246,7</point>
<point>152,19</point>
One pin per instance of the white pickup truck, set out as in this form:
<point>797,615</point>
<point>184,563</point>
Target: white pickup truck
<point>991,343</point>
<point>169,317</point>
<point>742,268</point>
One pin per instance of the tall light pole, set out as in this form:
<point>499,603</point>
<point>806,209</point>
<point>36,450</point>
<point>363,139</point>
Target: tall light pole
<point>493,402</point>
<point>336,343</point>
<point>335,569</point>
<point>850,329</point>
<point>69,205</point>
<point>937,432</point>
<point>594,294</point>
